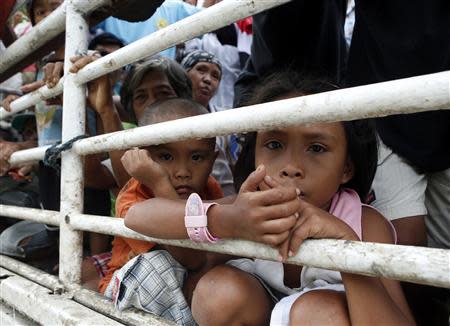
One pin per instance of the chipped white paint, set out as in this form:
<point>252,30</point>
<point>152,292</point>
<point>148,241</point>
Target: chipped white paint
<point>207,20</point>
<point>29,100</point>
<point>41,305</point>
<point>45,31</point>
<point>85,297</point>
<point>409,95</point>
<point>72,171</point>
<point>404,263</point>
<point>31,214</point>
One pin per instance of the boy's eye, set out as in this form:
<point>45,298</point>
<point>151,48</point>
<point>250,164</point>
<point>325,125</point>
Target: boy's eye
<point>197,157</point>
<point>273,144</point>
<point>316,148</point>
<point>165,157</point>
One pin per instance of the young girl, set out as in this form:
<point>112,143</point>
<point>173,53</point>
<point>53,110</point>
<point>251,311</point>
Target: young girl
<point>308,184</point>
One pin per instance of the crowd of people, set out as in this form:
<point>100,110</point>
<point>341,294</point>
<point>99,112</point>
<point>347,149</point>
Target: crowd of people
<point>383,180</point>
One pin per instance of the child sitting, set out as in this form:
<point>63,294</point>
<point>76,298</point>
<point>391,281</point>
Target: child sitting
<point>173,170</point>
<point>327,168</point>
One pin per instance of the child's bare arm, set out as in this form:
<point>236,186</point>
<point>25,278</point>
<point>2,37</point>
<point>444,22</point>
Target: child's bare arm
<point>262,216</point>
<point>370,300</point>
<point>376,300</point>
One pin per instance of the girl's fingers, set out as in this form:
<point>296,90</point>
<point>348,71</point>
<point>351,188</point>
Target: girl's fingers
<point>274,239</point>
<point>283,249</point>
<point>271,182</point>
<point>300,233</point>
<point>275,196</point>
<point>279,225</point>
<point>253,180</point>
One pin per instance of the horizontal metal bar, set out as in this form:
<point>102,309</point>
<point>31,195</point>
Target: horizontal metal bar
<point>404,263</point>
<point>39,304</point>
<point>409,95</point>
<point>43,32</point>
<point>207,20</point>
<point>83,296</point>
<point>29,100</point>
<point>30,214</point>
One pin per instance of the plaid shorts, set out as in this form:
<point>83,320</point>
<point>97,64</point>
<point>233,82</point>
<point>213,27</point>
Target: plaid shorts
<point>100,262</point>
<point>152,282</point>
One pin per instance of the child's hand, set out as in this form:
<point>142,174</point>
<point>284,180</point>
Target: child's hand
<point>265,216</point>
<point>315,223</point>
<point>99,90</point>
<point>139,164</point>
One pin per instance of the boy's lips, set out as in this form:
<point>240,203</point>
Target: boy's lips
<point>183,189</point>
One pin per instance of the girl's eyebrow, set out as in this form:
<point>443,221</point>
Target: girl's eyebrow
<point>320,135</point>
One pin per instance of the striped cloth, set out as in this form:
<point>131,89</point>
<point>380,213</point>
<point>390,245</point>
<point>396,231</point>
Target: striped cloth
<point>152,282</point>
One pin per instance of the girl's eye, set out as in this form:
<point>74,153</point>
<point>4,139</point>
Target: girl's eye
<point>273,144</point>
<point>316,148</point>
<point>165,157</point>
<point>197,157</point>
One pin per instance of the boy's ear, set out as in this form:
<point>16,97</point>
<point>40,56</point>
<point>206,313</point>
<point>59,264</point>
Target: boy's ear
<point>349,171</point>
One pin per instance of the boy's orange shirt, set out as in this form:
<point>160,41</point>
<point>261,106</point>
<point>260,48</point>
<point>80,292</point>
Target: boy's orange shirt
<point>124,249</point>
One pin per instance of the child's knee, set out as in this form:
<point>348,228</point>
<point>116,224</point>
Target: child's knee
<point>227,294</point>
<point>320,307</point>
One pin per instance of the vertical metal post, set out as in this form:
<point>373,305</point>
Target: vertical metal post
<point>74,102</point>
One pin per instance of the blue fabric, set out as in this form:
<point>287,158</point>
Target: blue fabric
<point>49,121</point>
<point>168,13</point>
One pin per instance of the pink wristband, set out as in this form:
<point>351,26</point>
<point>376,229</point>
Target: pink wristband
<point>196,220</point>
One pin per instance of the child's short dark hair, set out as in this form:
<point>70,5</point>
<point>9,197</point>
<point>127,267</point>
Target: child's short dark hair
<point>177,76</point>
<point>172,108</point>
<point>362,144</point>
<point>179,107</point>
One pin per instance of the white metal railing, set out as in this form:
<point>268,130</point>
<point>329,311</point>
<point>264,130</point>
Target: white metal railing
<point>208,20</point>
<point>417,94</point>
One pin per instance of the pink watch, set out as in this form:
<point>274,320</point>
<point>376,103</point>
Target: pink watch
<point>196,220</point>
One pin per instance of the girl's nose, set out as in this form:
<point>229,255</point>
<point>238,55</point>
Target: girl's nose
<point>291,172</point>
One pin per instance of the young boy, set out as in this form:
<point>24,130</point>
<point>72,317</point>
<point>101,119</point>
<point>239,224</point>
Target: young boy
<point>156,281</point>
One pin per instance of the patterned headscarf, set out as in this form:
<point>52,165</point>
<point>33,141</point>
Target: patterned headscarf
<point>194,57</point>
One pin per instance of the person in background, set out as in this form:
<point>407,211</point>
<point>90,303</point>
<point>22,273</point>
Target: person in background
<point>205,72</point>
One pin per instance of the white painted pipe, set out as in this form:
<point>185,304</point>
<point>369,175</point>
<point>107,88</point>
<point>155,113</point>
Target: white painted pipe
<point>207,20</point>
<point>404,263</point>
<point>43,32</point>
<point>30,214</point>
<point>409,95</point>
<point>416,94</point>
<point>72,171</point>
<point>44,307</point>
<point>29,100</point>
<point>86,297</point>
